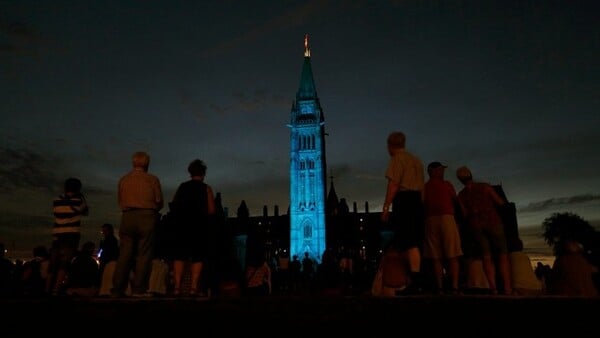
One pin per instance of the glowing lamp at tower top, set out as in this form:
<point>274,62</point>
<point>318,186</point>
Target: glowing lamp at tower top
<point>306,47</point>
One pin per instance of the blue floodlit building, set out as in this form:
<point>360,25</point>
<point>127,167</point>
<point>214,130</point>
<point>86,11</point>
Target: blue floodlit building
<point>307,168</point>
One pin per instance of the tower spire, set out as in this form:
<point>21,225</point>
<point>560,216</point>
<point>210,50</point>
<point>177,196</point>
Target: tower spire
<point>308,169</point>
<point>306,90</point>
<point>306,47</point>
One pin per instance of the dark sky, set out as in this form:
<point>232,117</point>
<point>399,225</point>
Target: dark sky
<point>510,89</point>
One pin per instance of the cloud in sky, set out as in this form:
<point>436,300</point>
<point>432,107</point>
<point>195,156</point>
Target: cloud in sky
<point>23,168</point>
<point>563,202</point>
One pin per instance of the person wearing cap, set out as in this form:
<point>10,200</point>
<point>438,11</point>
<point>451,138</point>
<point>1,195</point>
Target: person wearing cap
<point>405,182</point>
<point>442,237</point>
<point>479,201</point>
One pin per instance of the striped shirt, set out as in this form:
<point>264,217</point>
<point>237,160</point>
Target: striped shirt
<point>67,214</point>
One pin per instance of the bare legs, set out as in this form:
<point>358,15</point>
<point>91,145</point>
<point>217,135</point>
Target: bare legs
<point>196,272</point>
<point>453,272</point>
<point>503,271</point>
<point>414,259</point>
<point>490,272</point>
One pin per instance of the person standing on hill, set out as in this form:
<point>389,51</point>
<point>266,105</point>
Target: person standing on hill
<point>479,201</point>
<point>442,238</point>
<point>140,199</point>
<point>404,193</point>
<point>193,207</point>
<point>68,208</point>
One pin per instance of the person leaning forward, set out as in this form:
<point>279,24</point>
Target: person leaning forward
<point>140,199</point>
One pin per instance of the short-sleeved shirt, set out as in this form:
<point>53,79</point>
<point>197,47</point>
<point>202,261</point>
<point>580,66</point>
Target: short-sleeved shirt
<point>406,170</point>
<point>140,190</point>
<point>439,197</point>
<point>479,205</point>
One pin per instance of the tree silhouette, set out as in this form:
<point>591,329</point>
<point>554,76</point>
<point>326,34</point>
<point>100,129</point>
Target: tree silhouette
<point>566,226</point>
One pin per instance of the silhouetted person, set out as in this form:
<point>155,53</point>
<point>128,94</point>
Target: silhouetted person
<point>572,274</point>
<point>329,275</point>
<point>404,193</point>
<point>7,274</point>
<point>308,270</point>
<point>140,199</point>
<point>35,272</point>
<point>193,209</point>
<point>68,209</point>
<point>442,238</point>
<point>542,272</point>
<point>295,273</point>
<point>480,202</point>
<point>283,271</point>
<point>108,249</point>
<point>83,275</point>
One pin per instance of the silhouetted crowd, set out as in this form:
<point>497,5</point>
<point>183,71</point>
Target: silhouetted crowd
<point>444,243</point>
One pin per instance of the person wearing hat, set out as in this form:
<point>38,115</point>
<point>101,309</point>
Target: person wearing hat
<point>479,201</point>
<point>442,237</point>
<point>405,182</point>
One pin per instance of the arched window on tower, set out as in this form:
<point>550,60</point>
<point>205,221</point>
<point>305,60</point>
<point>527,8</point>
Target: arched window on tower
<point>312,142</point>
<point>307,231</point>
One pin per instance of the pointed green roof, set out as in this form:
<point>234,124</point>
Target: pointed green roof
<point>306,90</point>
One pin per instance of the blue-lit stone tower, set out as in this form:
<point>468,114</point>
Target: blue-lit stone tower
<point>307,168</point>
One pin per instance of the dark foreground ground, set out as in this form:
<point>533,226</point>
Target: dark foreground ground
<point>443,316</point>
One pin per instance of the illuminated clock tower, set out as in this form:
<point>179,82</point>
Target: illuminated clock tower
<point>307,168</point>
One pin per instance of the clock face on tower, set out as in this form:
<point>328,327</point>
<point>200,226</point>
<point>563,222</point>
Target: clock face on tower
<point>305,109</point>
